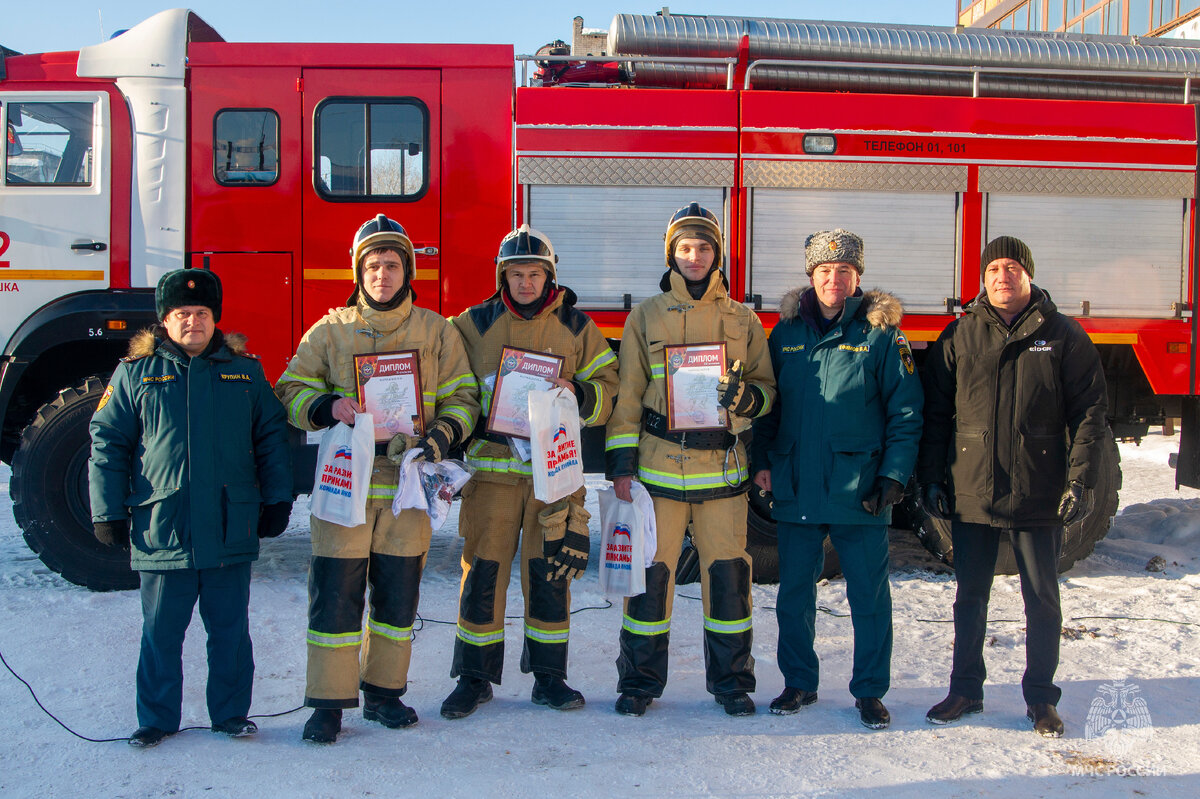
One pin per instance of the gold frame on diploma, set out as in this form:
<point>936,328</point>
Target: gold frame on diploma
<point>520,372</point>
<point>394,397</point>
<point>692,372</point>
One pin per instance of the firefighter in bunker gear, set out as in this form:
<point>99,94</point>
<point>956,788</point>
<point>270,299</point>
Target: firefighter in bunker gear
<point>530,311</point>
<point>696,477</point>
<point>388,552</point>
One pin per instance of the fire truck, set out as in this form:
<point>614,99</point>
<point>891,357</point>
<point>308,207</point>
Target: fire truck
<point>168,147</point>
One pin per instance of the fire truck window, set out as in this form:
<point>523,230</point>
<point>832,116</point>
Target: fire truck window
<point>246,147</point>
<point>370,149</point>
<point>48,144</point>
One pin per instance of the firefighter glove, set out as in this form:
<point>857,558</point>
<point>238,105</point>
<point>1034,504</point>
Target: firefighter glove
<point>400,444</point>
<point>935,499</point>
<point>1076,503</point>
<point>570,562</point>
<point>114,533</point>
<point>736,395</point>
<point>437,442</point>
<point>274,519</point>
<point>553,521</point>
<point>885,493</point>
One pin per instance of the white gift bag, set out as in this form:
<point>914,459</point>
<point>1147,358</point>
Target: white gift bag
<point>429,487</point>
<point>622,544</point>
<point>641,498</point>
<point>554,436</point>
<point>344,472</point>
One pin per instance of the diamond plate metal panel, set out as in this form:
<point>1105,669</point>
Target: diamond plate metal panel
<point>855,177</point>
<point>1091,182</point>
<point>626,171</point>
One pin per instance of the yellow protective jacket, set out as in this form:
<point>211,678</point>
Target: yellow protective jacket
<point>558,329</point>
<point>324,365</point>
<point>669,469</point>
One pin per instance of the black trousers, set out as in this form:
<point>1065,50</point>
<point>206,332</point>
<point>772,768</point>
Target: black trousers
<point>1037,550</point>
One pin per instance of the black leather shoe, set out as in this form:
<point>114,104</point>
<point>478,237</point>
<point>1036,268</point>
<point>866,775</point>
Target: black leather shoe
<point>953,708</point>
<point>739,704</point>
<point>555,693</point>
<point>632,704</point>
<point>236,727</point>
<point>146,737</point>
<point>388,711</point>
<point>791,700</point>
<point>872,713</point>
<point>470,693</point>
<point>1046,721</point>
<point>323,726</point>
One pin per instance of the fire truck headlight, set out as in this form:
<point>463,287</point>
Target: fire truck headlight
<point>819,144</point>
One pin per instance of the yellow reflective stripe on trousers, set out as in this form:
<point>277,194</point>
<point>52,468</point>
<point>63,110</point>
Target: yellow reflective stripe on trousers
<point>335,640</point>
<point>479,639</point>
<point>388,631</point>
<point>547,636</point>
<point>645,627</point>
<point>730,627</point>
<point>692,482</point>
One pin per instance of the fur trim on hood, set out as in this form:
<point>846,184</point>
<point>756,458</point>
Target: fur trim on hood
<point>144,342</point>
<point>878,307</point>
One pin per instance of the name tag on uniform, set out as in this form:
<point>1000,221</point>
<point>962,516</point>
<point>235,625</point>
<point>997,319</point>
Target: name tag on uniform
<point>239,378</point>
<point>159,379</point>
<point>854,347</point>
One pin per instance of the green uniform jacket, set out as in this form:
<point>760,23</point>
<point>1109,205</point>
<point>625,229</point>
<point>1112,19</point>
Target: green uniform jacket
<point>558,329</point>
<point>665,468</point>
<point>1012,413</point>
<point>189,449</point>
<point>849,410</point>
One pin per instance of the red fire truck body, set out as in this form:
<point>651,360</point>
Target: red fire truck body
<point>167,147</point>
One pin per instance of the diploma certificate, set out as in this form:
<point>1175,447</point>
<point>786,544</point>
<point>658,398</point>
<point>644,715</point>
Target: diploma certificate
<point>692,374</point>
<point>521,371</point>
<point>389,388</point>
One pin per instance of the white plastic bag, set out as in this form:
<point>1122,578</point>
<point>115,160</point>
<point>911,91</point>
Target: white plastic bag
<point>641,498</point>
<point>429,487</point>
<point>554,436</point>
<point>344,472</point>
<point>622,543</point>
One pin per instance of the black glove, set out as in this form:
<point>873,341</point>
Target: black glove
<point>436,443</point>
<point>1076,503</point>
<point>737,396</point>
<point>935,499</point>
<point>274,519</point>
<point>884,494</point>
<point>320,413</point>
<point>571,559</point>
<point>114,533</point>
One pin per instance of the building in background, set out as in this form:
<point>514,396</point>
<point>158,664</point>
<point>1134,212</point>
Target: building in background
<point>1111,17</point>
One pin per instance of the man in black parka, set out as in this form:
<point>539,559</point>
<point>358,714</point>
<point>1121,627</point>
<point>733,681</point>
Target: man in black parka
<point>1015,406</point>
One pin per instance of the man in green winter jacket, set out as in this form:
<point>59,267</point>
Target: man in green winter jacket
<point>190,467</point>
<point>836,452</point>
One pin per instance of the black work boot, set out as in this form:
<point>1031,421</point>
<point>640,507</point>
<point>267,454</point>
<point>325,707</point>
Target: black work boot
<point>323,726</point>
<point>953,708</point>
<point>470,693</point>
<point>633,704</point>
<point>739,704</point>
<point>236,727</point>
<point>388,711</point>
<point>146,737</point>
<point>1046,721</point>
<point>554,692</point>
<point>872,713</point>
<point>791,700</point>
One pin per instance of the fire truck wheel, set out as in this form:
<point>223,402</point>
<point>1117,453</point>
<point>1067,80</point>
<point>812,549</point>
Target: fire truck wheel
<point>763,544</point>
<point>49,488</point>
<point>1079,539</point>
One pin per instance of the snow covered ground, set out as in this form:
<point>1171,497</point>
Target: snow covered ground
<point>79,649</point>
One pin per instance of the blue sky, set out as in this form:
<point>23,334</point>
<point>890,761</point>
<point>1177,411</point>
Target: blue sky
<point>31,27</point>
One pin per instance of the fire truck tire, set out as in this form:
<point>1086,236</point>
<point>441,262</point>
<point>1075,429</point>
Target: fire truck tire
<point>1079,539</point>
<point>49,489</point>
<point>762,542</point>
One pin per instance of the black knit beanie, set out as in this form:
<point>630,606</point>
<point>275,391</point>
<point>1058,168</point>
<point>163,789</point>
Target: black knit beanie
<point>1007,247</point>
